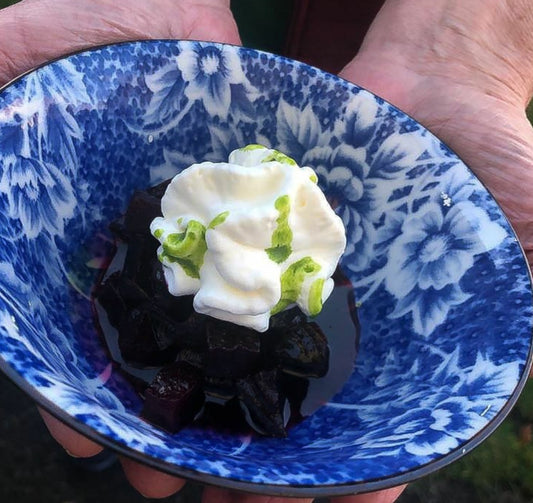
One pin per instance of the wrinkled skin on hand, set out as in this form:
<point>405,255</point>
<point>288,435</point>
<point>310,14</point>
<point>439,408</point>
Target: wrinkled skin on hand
<point>463,69</point>
<point>35,31</point>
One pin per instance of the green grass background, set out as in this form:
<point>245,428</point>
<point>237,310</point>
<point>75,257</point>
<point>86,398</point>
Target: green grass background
<point>34,468</point>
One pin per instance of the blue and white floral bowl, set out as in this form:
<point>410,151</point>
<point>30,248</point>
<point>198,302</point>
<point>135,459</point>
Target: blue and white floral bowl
<point>443,286</point>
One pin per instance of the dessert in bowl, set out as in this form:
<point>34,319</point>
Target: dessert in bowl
<point>218,282</point>
<point>442,287</point>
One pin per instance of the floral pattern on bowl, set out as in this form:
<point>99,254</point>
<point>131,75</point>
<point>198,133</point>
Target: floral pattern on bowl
<point>442,285</point>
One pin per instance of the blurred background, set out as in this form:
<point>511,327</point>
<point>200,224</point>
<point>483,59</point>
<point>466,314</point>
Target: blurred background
<point>34,468</point>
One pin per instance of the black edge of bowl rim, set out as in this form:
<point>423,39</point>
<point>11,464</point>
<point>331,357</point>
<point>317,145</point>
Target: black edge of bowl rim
<point>286,490</point>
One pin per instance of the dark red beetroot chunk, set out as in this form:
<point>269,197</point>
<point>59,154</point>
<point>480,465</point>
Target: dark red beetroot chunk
<point>192,331</point>
<point>295,389</point>
<point>158,191</point>
<point>232,351</point>
<point>143,208</point>
<point>302,350</point>
<point>220,388</point>
<point>118,230</point>
<point>287,318</point>
<point>118,295</point>
<point>174,397</point>
<point>194,358</point>
<point>225,416</point>
<point>261,395</point>
<point>138,343</point>
<point>178,308</point>
<point>167,332</point>
<point>108,296</point>
<point>131,293</point>
<point>140,259</point>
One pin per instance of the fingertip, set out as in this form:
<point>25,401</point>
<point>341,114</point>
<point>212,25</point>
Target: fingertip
<point>385,496</point>
<point>73,442</point>
<point>148,482</point>
<point>219,495</point>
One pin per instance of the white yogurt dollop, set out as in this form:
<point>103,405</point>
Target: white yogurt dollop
<point>249,237</point>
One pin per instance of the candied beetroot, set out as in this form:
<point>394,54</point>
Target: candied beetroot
<point>295,389</point>
<point>138,341</point>
<point>174,397</point>
<point>194,358</point>
<point>226,416</point>
<point>232,351</point>
<point>178,308</point>
<point>167,332</point>
<point>287,318</point>
<point>108,296</point>
<point>139,261</point>
<point>220,388</point>
<point>192,331</point>
<point>143,208</point>
<point>158,190</point>
<point>261,396</point>
<point>302,350</point>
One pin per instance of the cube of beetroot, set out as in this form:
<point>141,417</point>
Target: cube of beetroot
<point>107,294</point>
<point>261,396</point>
<point>232,351</point>
<point>179,308</point>
<point>139,342</point>
<point>295,389</point>
<point>143,208</point>
<point>287,318</point>
<point>220,388</point>
<point>174,397</point>
<point>194,358</point>
<point>140,258</point>
<point>192,332</point>
<point>302,350</point>
<point>158,190</point>
<point>132,294</point>
<point>118,230</point>
<point>185,334</point>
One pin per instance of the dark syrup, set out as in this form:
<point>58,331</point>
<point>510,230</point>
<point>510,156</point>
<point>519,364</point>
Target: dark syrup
<point>338,321</point>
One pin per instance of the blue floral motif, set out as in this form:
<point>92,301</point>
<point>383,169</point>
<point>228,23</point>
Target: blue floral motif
<point>38,194</point>
<point>224,141</point>
<point>167,90</point>
<point>431,255</point>
<point>343,175</point>
<point>433,421</point>
<point>442,287</point>
<point>209,72</point>
<point>298,131</point>
<point>359,124</point>
<point>13,289</point>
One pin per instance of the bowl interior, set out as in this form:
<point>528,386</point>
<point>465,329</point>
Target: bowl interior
<point>443,290</point>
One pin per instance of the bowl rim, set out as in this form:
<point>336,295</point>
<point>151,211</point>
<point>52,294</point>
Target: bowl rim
<point>284,490</point>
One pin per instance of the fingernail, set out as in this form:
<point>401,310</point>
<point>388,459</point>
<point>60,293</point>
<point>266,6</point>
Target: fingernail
<point>70,454</point>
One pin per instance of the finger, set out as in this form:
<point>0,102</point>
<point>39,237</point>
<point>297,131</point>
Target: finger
<point>386,496</point>
<point>35,31</point>
<point>73,442</point>
<point>149,482</point>
<point>213,22</point>
<point>218,495</point>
